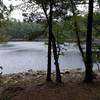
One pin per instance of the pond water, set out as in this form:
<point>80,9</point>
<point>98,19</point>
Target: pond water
<point>22,56</point>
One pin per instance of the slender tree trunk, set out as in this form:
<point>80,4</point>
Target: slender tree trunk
<point>58,76</point>
<point>79,42</point>
<point>49,59</point>
<point>49,44</point>
<point>77,31</point>
<point>89,72</point>
<point>52,40</point>
<point>55,53</point>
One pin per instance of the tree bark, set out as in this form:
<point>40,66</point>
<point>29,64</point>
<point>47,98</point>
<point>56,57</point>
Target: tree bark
<point>49,43</point>
<point>51,40</point>
<point>58,76</point>
<point>77,31</point>
<point>88,71</point>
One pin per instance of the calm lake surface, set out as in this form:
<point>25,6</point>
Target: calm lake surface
<point>22,56</point>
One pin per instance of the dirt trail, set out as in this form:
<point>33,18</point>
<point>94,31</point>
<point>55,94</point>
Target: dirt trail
<point>37,89</point>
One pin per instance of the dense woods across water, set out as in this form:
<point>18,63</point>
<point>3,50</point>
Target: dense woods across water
<point>63,30</point>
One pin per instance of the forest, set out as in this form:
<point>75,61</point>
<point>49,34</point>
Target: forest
<point>17,30</point>
<point>54,23</point>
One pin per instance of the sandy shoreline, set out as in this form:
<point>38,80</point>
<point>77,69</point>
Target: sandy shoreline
<point>20,86</point>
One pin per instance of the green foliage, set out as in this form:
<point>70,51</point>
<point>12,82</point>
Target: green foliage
<point>96,53</point>
<point>5,98</point>
<point>63,30</point>
<point>96,25</point>
<point>4,13</point>
<point>3,38</point>
<point>24,30</point>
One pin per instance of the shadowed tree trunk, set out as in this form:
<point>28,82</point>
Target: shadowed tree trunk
<point>89,72</point>
<point>49,42</point>
<point>73,6</point>
<point>58,76</point>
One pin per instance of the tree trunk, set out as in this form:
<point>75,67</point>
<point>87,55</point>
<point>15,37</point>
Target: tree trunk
<point>79,42</point>
<point>58,76</point>
<point>89,72</point>
<point>77,31</point>
<point>49,44</point>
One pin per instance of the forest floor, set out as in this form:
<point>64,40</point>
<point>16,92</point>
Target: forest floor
<point>32,86</point>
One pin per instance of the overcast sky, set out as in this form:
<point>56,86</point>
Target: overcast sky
<point>18,13</point>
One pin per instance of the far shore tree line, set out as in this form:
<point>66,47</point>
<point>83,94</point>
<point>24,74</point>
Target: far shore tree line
<point>54,23</point>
